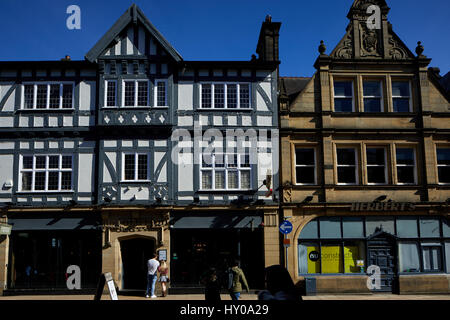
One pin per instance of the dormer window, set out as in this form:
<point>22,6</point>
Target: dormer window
<point>135,93</point>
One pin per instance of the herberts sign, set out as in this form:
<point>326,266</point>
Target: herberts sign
<point>383,206</point>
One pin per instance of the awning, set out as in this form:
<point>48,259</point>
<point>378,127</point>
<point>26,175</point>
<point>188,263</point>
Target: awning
<point>54,223</point>
<point>216,221</point>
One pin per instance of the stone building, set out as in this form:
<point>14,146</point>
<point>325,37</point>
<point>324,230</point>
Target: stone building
<point>365,149</point>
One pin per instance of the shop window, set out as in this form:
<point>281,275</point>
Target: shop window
<point>305,166</point>
<point>443,165</point>
<point>352,227</point>
<point>386,224</point>
<point>309,258</point>
<point>408,257</point>
<point>447,255</point>
<point>331,258</point>
<point>347,168</point>
<point>310,231</point>
<point>343,96</point>
<point>373,99</point>
<point>353,251</point>
<point>401,96</point>
<point>429,228</point>
<point>431,255</point>
<point>406,166</point>
<point>407,227</point>
<point>330,228</point>
<point>376,166</point>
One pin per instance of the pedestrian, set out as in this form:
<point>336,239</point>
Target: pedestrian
<point>212,286</point>
<point>236,281</point>
<point>163,277</point>
<point>279,285</point>
<point>152,266</point>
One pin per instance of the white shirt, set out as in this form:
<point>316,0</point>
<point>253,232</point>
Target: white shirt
<point>152,265</point>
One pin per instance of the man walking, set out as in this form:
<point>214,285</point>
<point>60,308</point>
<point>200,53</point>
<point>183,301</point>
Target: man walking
<point>152,266</point>
<point>236,280</point>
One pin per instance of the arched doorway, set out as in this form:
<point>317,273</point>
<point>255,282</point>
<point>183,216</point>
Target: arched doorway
<point>135,254</point>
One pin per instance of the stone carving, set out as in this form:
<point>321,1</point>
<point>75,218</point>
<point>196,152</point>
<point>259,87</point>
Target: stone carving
<point>345,50</point>
<point>396,51</point>
<point>370,44</point>
<point>287,195</point>
<point>130,224</point>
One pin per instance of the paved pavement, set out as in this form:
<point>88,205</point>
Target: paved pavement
<point>226,297</point>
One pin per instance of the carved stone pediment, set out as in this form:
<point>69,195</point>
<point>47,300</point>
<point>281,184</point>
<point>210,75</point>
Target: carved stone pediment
<point>370,42</point>
<point>344,49</point>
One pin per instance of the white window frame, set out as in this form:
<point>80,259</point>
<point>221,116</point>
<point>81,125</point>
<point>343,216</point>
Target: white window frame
<point>347,166</point>
<point>105,103</point>
<point>47,83</point>
<point>238,168</point>
<point>404,165</point>
<point>441,165</point>
<point>381,97</point>
<point>428,246</point>
<point>225,84</point>
<point>344,97</point>
<point>305,166</point>
<point>135,81</point>
<point>402,97</point>
<point>377,165</point>
<point>136,166</point>
<point>33,170</point>
<point>155,93</point>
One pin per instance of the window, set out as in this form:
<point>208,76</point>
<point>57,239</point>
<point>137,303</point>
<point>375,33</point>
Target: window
<point>347,169</point>
<point>225,95</point>
<point>432,256</point>
<point>135,167</point>
<point>343,96</point>
<point>229,171</point>
<point>376,165</point>
<point>135,93</point>
<point>305,166</point>
<point>111,89</point>
<point>48,96</point>
<point>373,100</point>
<point>401,96</point>
<point>161,93</point>
<point>443,165</point>
<point>406,165</point>
<point>46,173</point>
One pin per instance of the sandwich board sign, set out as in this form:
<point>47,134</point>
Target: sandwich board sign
<point>106,278</point>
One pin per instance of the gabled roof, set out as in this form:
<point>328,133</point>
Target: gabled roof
<point>293,86</point>
<point>132,15</point>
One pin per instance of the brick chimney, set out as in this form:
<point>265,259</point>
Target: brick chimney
<point>267,48</point>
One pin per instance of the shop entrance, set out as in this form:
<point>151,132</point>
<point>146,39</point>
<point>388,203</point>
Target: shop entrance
<point>381,252</point>
<point>194,251</point>
<point>135,254</point>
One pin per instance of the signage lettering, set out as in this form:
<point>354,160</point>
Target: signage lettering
<point>383,206</point>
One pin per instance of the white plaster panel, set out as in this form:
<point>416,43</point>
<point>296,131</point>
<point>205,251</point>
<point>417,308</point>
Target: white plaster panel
<point>127,143</point>
<point>84,121</point>
<point>39,144</point>
<point>185,172</point>
<point>143,143</point>
<point>23,121</point>
<point>112,158</point>
<point>264,120</point>
<point>68,121</point>
<point>6,171</point>
<point>53,144</point>
<point>158,156</point>
<point>185,96</point>
<point>85,180</point>
<point>139,193</point>
<point>246,120</point>
<point>24,145</point>
<point>232,120</point>
<point>186,198</point>
<point>203,120</point>
<point>38,121</point>
<point>69,145</point>
<point>6,145</point>
<point>6,122</point>
<point>110,143</point>
<point>130,35</point>
<point>160,143</point>
<point>52,121</point>
<point>218,120</point>
<point>87,95</point>
<point>185,121</point>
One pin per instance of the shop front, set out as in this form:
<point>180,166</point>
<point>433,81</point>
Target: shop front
<point>363,254</point>
<point>200,241</point>
<point>46,250</point>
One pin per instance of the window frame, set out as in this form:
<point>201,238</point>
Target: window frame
<point>136,166</point>
<point>136,92</point>
<point>381,96</point>
<point>105,101</point>
<point>226,169</point>
<point>402,165</point>
<point>352,81</point>
<point>356,149</point>
<point>441,165</point>
<point>305,166</point>
<point>225,84</point>
<point>48,85</point>
<point>402,97</point>
<point>46,170</point>
<point>367,165</point>
<point>155,93</point>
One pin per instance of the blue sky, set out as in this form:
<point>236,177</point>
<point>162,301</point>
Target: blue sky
<point>216,30</point>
